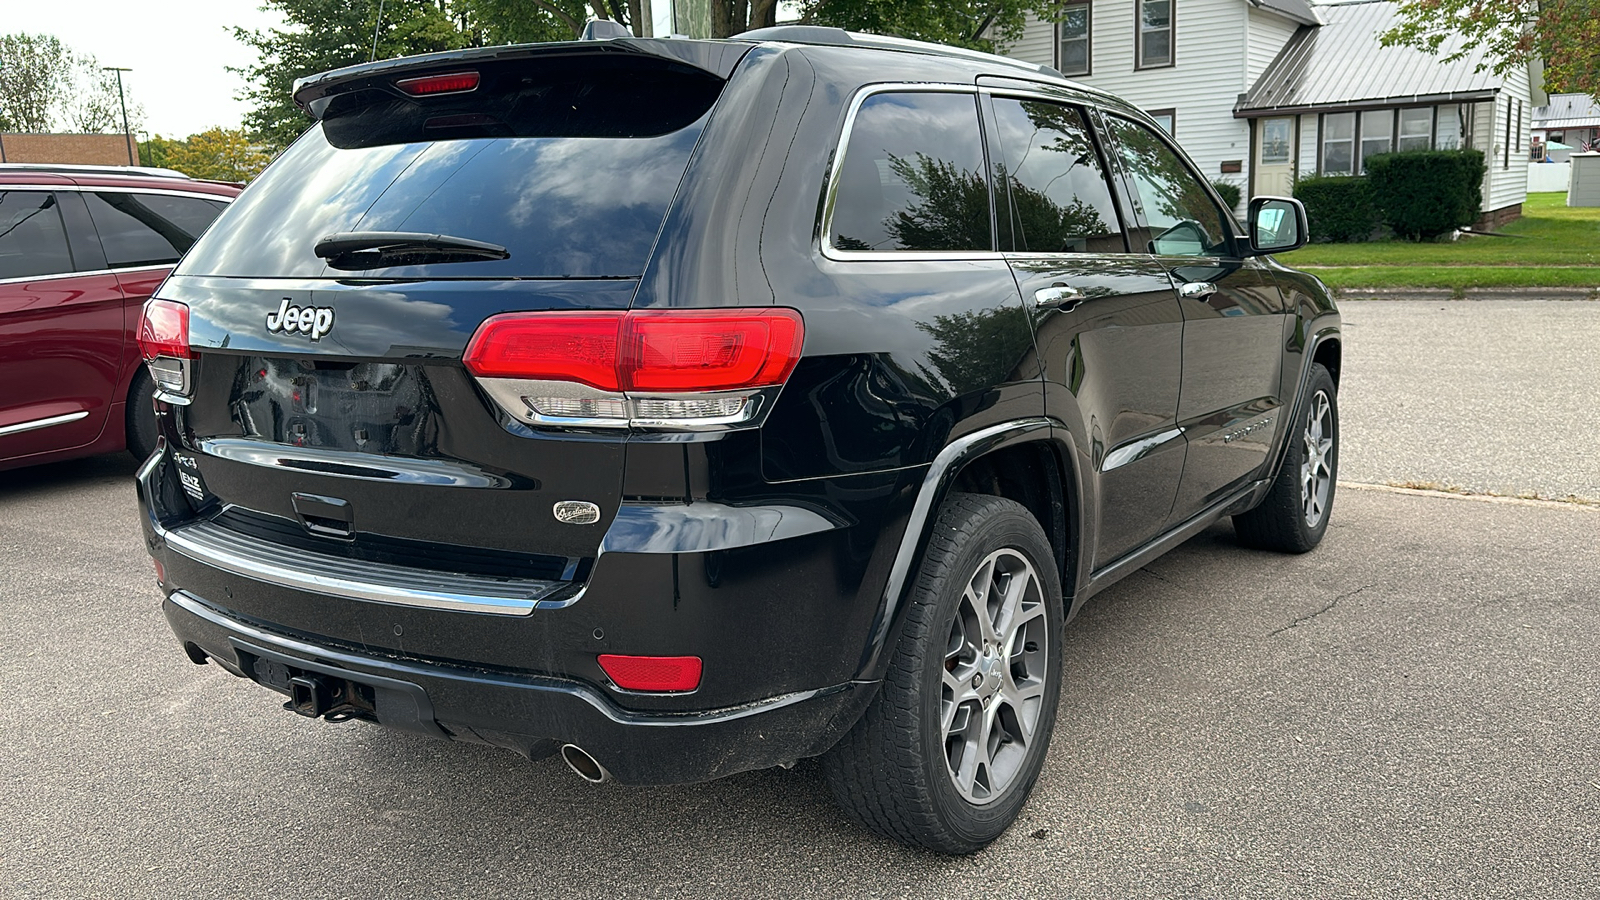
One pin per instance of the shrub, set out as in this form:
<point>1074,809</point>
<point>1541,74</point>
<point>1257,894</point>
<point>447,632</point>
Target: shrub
<point>1339,207</point>
<point>1229,192</point>
<point>1426,193</point>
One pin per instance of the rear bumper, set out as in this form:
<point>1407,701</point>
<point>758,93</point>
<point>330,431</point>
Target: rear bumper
<point>535,714</point>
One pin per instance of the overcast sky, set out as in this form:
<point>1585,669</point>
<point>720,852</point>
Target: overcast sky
<point>178,50</point>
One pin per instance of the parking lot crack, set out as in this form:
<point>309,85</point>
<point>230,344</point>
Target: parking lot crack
<point>1301,620</point>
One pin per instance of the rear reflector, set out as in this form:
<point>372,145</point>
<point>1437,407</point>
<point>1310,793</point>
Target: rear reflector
<point>652,673</point>
<point>664,351</point>
<point>453,83</point>
<point>164,330</point>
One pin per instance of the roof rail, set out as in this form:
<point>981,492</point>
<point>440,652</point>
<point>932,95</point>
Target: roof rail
<point>838,37</point>
<point>85,169</point>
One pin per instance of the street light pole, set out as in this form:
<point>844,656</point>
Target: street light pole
<point>126,131</point>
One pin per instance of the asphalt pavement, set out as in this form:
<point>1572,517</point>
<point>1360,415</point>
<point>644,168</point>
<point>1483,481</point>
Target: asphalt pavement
<point>1498,396</point>
<point>1412,710</point>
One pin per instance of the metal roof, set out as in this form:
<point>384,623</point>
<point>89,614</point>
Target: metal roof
<point>1295,10</point>
<point>1341,65</point>
<point>1568,111</point>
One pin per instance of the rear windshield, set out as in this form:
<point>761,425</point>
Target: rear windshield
<point>569,165</point>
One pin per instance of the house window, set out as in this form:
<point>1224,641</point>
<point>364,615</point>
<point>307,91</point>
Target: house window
<point>1153,33</point>
<point>1166,118</point>
<point>1338,143</point>
<point>1416,129</point>
<point>1451,132</point>
<point>1377,134</point>
<point>1072,40</point>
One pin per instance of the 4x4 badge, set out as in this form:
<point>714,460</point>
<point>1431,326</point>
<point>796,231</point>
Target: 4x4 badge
<point>313,320</point>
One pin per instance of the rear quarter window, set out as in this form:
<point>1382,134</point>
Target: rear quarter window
<point>913,176</point>
<point>148,229</point>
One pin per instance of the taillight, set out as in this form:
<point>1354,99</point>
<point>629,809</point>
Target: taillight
<point>647,368</point>
<point>164,344</point>
<point>165,330</point>
<point>452,83</point>
<point>652,673</point>
<point>710,351</point>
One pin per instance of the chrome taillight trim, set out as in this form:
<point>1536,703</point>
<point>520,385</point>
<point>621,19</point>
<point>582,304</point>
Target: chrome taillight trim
<point>513,396</point>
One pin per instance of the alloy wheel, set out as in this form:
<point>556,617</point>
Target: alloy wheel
<point>995,666</point>
<point>1316,467</point>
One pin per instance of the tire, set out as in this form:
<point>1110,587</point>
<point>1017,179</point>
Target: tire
<point>141,416</point>
<point>893,771</point>
<point>1294,515</point>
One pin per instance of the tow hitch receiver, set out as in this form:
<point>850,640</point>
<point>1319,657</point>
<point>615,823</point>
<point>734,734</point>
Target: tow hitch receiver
<point>308,696</point>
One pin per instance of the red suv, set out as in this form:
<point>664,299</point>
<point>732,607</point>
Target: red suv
<point>81,249</point>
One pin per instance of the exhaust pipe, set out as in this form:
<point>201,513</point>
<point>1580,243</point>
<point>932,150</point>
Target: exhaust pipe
<point>587,767</point>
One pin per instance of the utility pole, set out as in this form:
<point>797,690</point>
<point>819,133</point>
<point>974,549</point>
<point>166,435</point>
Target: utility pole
<point>126,131</point>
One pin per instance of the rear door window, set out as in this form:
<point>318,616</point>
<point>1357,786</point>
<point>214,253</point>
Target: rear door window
<point>148,229</point>
<point>913,176</point>
<point>33,240</point>
<point>1060,198</point>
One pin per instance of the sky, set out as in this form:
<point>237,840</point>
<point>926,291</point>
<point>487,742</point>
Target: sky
<point>178,51</point>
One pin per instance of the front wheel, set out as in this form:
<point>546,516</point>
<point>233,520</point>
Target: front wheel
<point>1294,515</point>
<point>947,753</point>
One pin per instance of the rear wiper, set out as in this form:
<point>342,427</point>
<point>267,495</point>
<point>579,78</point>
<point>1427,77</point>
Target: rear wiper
<point>381,249</point>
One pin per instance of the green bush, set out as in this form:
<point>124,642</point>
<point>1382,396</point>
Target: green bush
<point>1339,207</point>
<point>1423,194</point>
<point>1229,192</point>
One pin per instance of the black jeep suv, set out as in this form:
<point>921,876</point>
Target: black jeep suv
<point>691,407</point>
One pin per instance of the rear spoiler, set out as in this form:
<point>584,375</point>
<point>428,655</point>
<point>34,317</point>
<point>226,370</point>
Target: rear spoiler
<point>314,92</point>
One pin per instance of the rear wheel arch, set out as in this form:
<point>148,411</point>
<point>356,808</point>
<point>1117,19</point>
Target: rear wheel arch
<point>1035,474</point>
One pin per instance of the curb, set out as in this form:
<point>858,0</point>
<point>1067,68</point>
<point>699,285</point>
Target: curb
<point>1488,293</point>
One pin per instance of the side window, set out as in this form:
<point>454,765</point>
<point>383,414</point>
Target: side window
<point>1180,216</point>
<point>1060,200</point>
<point>32,239</point>
<point>148,229</point>
<point>913,176</point>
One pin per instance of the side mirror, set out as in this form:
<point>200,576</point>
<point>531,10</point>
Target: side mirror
<point>1277,225</point>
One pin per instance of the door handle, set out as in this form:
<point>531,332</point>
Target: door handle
<point>1057,295</point>
<point>1196,290</point>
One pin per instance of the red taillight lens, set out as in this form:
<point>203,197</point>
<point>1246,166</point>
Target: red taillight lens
<point>669,351</point>
<point>651,351</point>
<point>554,346</point>
<point>164,330</point>
<point>452,83</point>
<point>652,673</point>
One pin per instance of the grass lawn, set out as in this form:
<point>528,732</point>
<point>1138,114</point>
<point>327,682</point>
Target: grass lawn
<point>1559,246</point>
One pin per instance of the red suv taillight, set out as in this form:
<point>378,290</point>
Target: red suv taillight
<point>164,344</point>
<point>648,368</point>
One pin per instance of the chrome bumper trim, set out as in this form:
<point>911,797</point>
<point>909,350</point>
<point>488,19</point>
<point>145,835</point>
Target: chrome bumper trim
<point>220,548</point>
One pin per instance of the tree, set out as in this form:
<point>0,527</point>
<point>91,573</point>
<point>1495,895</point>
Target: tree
<point>330,34</point>
<point>157,151</point>
<point>1564,34</point>
<point>49,87</point>
<point>976,24</point>
<point>220,154</point>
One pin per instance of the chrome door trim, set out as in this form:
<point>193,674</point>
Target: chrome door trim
<point>832,198</point>
<point>36,424</point>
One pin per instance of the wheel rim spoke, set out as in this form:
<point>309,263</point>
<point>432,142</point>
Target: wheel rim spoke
<point>1316,467</point>
<point>993,684</point>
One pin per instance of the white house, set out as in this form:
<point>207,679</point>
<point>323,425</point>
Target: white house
<point>1260,92</point>
<point>1571,119</point>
